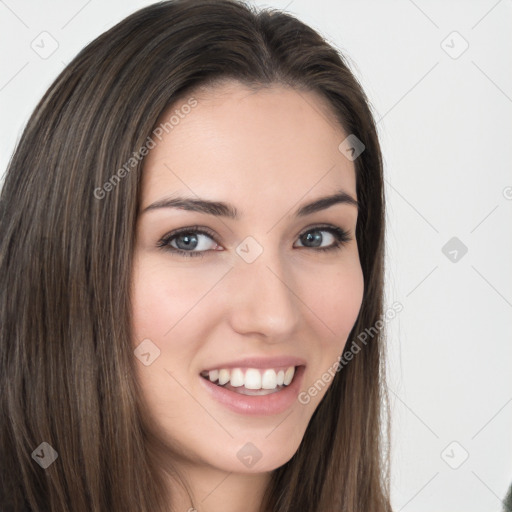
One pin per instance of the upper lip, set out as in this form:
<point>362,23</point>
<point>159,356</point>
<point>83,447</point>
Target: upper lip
<point>259,362</point>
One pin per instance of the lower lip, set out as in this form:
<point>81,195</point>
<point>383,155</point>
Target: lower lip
<point>265,405</point>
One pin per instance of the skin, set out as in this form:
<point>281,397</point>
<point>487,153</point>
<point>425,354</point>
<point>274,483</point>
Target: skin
<point>267,153</point>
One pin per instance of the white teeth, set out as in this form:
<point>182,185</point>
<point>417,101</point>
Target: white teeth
<point>253,378</point>
<point>237,378</point>
<point>223,377</point>
<point>269,379</point>
<point>288,376</point>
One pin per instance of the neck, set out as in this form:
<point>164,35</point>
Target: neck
<point>214,490</point>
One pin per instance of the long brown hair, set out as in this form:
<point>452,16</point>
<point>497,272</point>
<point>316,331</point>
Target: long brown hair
<point>66,355</point>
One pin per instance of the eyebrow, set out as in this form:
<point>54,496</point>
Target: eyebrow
<point>220,209</point>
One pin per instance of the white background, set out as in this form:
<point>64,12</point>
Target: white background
<point>446,129</point>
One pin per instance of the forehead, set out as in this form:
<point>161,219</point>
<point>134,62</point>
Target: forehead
<point>230,141</point>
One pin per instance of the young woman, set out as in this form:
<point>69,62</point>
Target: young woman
<point>192,231</point>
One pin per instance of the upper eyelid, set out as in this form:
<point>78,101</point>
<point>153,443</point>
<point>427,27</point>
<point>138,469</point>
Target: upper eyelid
<point>192,229</point>
<point>210,233</point>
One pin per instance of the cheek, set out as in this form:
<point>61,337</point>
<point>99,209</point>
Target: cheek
<point>336,298</point>
<point>164,302</point>
<point>164,295</point>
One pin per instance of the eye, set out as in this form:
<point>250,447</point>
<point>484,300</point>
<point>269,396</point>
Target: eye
<point>198,241</point>
<point>191,241</point>
<point>313,238</point>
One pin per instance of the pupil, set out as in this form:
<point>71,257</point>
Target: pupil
<point>316,239</point>
<point>190,240</point>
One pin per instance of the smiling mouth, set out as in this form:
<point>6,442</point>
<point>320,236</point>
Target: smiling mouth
<point>252,381</point>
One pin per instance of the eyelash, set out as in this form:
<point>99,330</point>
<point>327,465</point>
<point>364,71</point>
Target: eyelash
<point>341,237</point>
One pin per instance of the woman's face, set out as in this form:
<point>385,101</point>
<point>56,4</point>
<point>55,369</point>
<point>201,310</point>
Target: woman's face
<point>243,299</point>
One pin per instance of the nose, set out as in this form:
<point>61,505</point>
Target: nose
<point>262,298</point>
